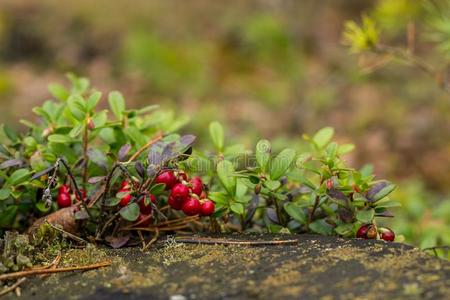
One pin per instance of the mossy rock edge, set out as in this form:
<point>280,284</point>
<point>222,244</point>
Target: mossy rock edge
<point>316,268</point>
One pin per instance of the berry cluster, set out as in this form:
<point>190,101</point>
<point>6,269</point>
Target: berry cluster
<point>145,208</point>
<point>186,195</point>
<point>370,231</point>
<point>64,198</point>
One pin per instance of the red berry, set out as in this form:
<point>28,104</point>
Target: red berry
<point>362,231</point>
<point>192,207</point>
<point>125,199</point>
<point>329,184</point>
<point>145,218</point>
<point>63,200</point>
<point>207,208</point>
<point>180,192</point>
<point>175,204</point>
<point>182,176</point>
<point>168,178</point>
<point>64,189</point>
<point>387,234</point>
<point>125,185</point>
<point>83,194</point>
<point>197,185</point>
<point>146,209</point>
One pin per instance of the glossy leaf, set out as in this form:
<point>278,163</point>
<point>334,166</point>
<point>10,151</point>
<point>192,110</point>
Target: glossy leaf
<point>281,163</point>
<point>296,212</point>
<point>225,171</point>
<point>323,137</point>
<point>217,135</point>
<point>130,212</point>
<point>263,151</point>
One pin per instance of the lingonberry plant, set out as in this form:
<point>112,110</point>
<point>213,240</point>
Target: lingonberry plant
<point>116,179</point>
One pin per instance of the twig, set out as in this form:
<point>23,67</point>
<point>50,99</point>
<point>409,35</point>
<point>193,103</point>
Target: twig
<point>313,211</point>
<point>200,240</point>
<point>153,229</point>
<point>74,182</point>
<point>53,265</point>
<point>70,235</point>
<point>143,148</point>
<point>102,231</point>
<point>12,287</point>
<point>152,241</point>
<point>416,61</point>
<point>85,154</point>
<point>50,271</point>
<point>142,239</point>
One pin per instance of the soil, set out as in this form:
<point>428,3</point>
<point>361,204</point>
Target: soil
<point>317,267</point>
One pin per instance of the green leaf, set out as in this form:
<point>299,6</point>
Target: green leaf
<point>117,104</point>
<point>92,101</point>
<point>98,157</point>
<point>332,151</point>
<point>76,130</point>
<point>321,227</point>
<point>323,137</point>
<point>281,163</point>
<point>296,212</point>
<point>386,204</point>
<point>18,176</point>
<point>8,215</point>
<point>136,136</point>
<point>217,135</point>
<point>263,150</point>
<point>344,229</point>
<point>225,171</point>
<point>43,207</point>
<point>234,150</point>
<point>219,197</point>
<point>130,212</point>
<point>112,201</point>
<point>100,118</point>
<point>157,189</point>
<point>79,84</point>
<point>77,107</point>
<point>58,91</point>
<point>365,216</point>
<point>60,138</point>
<point>4,193</point>
<point>237,208</point>
<point>108,135</point>
<point>383,192</point>
<point>272,184</point>
<point>346,148</point>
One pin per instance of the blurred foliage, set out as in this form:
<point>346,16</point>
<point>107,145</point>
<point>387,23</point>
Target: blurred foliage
<point>361,38</point>
<point>272,69</point>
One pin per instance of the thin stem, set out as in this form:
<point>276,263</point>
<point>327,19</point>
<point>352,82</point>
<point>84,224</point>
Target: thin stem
<point>152,241</point>
<point>416,61</point>
<point>313,211</point>
<point>85,152</point>
<point>19,274</point>
<point>75,186</point>
<point>278,211</point>
<point>12,287</point>
<point>200,240</point>
<point>143,148</point>
<point>70,235</point>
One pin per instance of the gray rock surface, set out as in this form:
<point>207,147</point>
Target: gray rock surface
<point>314,268</point>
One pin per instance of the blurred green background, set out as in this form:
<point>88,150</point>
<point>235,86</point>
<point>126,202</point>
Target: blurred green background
<point>266,68</point>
